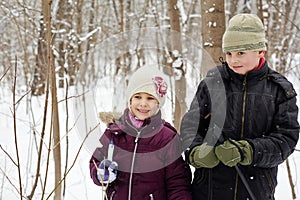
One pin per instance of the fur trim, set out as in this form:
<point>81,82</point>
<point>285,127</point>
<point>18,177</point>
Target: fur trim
<point>109,117</point>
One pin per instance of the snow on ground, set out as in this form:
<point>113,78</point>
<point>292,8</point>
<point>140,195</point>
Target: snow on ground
<point>79,185</point>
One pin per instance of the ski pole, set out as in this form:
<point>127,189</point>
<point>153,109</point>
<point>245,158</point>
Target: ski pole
<point>246,184</point>
<point>240,173</point>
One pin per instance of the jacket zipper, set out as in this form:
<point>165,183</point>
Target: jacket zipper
<point>132,164</point>
<point>112,195</point>
<point>244,105</point>
<point>242,129</point>
<point>133,157</point>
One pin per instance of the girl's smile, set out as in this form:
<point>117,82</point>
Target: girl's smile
<point>143,105</point>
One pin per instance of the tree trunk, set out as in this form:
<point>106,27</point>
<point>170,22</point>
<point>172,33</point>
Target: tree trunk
<point>39,77</point>
<point>213,27</point>
<point>55,117</point>
<point>180,83</point>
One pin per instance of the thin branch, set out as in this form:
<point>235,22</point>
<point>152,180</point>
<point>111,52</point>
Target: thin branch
<point>290,179</point>
<point>37,174</point>
<point>48,157</point>
<point>15,127</point>
<point>104,187</point>
<point>74,96</point>
<point>278,10</point>
<point>67,136</point>
<point>8,156</point>
<point>23,96</point>
<point>69,130</point>
<point>5,73</point>
<point>15,187</point>
<point>76,157</point>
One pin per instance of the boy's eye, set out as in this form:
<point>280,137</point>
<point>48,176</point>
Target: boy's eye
<point>228,53</point>
<point>241,53</point>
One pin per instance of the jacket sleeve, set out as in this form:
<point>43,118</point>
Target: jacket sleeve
<point>178,176</point>
<point>195,122</point>
<point>275,147</point>
<point>98,155</point>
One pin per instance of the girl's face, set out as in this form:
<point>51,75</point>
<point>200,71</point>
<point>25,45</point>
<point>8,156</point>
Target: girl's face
<point>143,105</point>
<point>244,61</point>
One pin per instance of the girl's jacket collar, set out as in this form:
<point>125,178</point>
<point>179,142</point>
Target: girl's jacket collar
<point>150,127</point>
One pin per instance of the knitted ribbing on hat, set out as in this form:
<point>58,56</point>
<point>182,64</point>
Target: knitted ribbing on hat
<point>245,32</point>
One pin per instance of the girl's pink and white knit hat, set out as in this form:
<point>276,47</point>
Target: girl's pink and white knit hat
<point>149,80</point>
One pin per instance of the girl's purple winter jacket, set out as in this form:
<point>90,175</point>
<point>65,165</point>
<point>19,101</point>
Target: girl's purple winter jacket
<point>149,159</point>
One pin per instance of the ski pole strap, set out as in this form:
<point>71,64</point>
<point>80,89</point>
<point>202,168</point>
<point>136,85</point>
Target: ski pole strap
<point>238,147</point>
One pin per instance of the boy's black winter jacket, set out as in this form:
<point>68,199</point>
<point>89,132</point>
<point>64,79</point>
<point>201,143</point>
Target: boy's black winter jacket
<point>259,107</point>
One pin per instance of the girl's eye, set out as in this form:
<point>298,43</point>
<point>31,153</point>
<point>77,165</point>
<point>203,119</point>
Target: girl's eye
<point>137,97</point>
<point>151,98</point>
<point>241,53</point>
<point>228,53</point>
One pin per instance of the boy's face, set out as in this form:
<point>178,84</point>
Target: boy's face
<point>143,105</point>
<point>244,61</point>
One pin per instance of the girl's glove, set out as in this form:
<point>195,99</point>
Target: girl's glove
<point>232,152</point>
<point>107,171</point>
<point>203,156</point>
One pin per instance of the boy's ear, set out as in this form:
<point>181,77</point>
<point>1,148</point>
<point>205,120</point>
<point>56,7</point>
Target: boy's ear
<point>261,53</point>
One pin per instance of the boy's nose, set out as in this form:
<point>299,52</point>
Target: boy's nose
<point>234,60</point>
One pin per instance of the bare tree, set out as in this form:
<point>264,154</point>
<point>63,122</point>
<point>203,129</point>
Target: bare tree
<point>282,23</point>
<point>176,52</point>
<point>67,35</point>
<point>55,117</point>
<point>213,27</point>
<point>15,131</point>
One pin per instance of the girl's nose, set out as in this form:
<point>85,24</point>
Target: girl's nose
<point>143,102</point>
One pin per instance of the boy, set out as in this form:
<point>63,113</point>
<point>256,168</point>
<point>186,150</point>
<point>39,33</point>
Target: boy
<point>238,159</point>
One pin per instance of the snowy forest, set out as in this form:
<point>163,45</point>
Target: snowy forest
<point>63,62</point>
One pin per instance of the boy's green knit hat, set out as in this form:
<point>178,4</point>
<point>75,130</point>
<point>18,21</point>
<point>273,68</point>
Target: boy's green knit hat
<point>245,32</point>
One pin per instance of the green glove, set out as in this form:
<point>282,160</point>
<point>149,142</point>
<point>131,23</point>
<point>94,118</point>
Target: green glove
<point>203,156</point>
<point>229,153</point>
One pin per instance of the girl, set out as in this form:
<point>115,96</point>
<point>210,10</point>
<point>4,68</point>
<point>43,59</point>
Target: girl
<point>146,149</point>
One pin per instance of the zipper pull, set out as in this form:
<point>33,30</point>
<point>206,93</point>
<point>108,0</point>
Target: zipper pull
<point>137,137</point>
<point>110,151</point>
<point>151,197</point>
<point>244,83</point>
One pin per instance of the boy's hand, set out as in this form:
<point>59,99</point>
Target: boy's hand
<point>203,156</point>
<point>232,152</point>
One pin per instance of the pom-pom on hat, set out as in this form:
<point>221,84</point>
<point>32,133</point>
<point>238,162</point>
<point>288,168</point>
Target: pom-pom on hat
<point>245,32</point>
<point>149,80</point>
